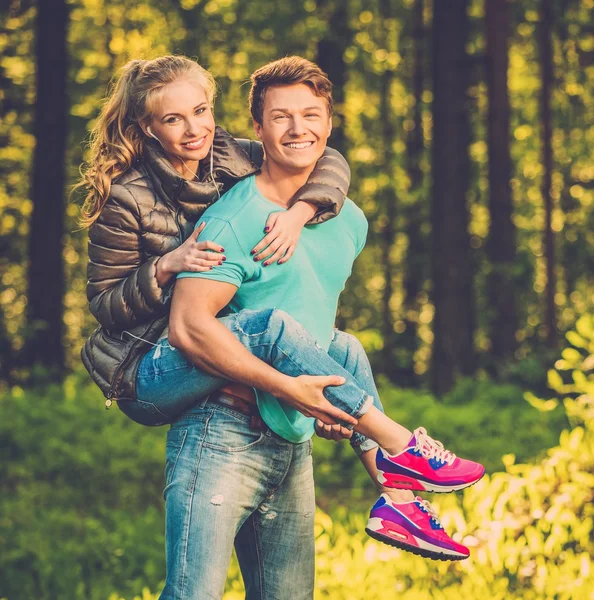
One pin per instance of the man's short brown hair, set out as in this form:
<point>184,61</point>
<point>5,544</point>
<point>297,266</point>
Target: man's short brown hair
<point>288,71</point>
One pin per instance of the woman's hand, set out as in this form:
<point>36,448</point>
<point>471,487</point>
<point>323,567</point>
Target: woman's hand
<point>283,232</point>
<point>192,256</point>
<point>306,394</point>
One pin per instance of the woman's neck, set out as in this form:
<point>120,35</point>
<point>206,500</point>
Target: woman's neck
<point>187,169</point>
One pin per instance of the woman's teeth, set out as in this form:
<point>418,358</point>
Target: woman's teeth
<point>194,145</point>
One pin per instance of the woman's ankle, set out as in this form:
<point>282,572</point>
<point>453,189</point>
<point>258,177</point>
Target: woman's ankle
<point>398,496</point>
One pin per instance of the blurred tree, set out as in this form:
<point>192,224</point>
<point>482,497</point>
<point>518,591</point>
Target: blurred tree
<point>453,324</point>
<point>330,57</point>
<point>501,244</point>
<point>415,210</point>
<point>45,309</point>
<point>546,59</point>
<point>388,197</point>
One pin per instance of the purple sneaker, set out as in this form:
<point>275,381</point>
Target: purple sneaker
<point>414,527</point>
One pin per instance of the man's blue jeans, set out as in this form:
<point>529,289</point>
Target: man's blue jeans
<point>226,483</point>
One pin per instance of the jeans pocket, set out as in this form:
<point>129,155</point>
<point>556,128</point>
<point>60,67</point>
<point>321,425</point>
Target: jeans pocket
<point>173,448</point>
<point>144,413</point>
<point>229,431</point>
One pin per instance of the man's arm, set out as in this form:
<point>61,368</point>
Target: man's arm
<point>208,344</point>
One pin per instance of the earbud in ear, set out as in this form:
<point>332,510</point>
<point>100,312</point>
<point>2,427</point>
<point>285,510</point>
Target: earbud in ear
<point>148,130</point>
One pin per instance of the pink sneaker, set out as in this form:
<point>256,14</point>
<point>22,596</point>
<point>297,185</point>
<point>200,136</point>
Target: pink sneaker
<point>426,466</point>
<point>414,527</point>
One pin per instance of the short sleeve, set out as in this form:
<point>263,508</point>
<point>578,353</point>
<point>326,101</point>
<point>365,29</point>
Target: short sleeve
<point>362,234</point>
<point>237,268</point>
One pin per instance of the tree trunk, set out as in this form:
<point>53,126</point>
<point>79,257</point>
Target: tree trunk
<point>501,246</point>
<point>330,58</point>
<point>415,210</point>
<point>46,273</point>
<point>453,324</point>
<point>546,59</point>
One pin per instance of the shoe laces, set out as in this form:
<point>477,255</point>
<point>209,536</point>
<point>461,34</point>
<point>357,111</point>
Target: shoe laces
<point>431,448</point>
<point>427,508</point>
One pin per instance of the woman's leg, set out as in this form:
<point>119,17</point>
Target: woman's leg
<point>279,340</point>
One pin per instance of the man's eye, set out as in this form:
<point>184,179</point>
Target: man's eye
<point>312,115</point>
<point>280,117</point>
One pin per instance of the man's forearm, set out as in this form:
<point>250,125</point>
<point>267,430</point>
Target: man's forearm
<point>213,348</point>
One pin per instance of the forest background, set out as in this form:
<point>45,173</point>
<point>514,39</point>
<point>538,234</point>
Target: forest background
<point>469,128</point>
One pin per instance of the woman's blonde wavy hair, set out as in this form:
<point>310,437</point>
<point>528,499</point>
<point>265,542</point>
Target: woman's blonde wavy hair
<point>117,139</point>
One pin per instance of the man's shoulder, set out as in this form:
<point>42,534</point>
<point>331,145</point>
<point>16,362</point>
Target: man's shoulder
<point>353,212</point>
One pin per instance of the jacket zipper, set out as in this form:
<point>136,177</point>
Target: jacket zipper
<point>115,380</point>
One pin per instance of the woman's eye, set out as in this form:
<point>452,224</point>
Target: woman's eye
<point>199,111</point>
<point>171,120</point>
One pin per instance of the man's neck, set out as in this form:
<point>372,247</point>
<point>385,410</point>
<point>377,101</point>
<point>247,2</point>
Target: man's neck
<point>279,185</point>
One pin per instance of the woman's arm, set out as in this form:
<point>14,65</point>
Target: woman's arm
<point>125,288</point>
<point>327,186</point>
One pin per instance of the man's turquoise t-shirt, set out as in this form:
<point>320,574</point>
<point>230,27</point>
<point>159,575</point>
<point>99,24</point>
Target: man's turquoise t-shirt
<point>307,286</point>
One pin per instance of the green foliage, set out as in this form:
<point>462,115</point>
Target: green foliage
<point>81,496</point>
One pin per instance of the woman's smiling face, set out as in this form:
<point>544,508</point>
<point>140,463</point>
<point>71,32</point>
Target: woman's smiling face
<point>183,122</point>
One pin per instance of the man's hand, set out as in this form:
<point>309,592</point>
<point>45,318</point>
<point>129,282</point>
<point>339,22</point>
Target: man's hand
<point>333,432</point>
<point>306,394</point>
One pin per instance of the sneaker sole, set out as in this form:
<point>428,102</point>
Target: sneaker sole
<point>422,548</point>
<point>404,482</point>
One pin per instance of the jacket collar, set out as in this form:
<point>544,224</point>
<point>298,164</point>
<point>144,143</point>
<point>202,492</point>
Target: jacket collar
<point>229,161</point>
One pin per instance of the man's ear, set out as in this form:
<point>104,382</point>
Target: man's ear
<point>258,130</point>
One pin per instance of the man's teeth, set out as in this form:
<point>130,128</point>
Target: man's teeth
<point>299,145</point>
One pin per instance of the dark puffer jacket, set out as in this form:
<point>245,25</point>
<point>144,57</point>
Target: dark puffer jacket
<point>150,212</point>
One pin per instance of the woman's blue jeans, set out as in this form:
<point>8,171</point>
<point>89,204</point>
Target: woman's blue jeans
<point>227,484</point>
<point>167,384</point>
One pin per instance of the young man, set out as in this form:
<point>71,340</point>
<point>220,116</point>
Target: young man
<point>239,467</point>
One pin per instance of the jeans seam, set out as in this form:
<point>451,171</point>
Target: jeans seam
<point>191,507</point>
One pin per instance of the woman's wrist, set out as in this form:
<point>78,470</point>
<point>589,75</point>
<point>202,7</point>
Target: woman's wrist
<point>162,271</point>
<point>305,210</point>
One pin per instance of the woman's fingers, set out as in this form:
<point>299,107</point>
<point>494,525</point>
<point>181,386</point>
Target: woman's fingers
<point>208,245</point>
<point>197,232</point>
<point>215,257</point>
<point>282,250</point>
<point>273,246</point>
<point>263,244</point>
<point>287,255</point>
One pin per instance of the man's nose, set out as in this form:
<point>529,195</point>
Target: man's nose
<point>297,126</point>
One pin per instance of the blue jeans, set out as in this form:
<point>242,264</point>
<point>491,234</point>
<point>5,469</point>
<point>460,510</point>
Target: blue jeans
<point>227,484</point>
<point>167,384</point>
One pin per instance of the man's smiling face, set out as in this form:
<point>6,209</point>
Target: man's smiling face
<point>295,126</point>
